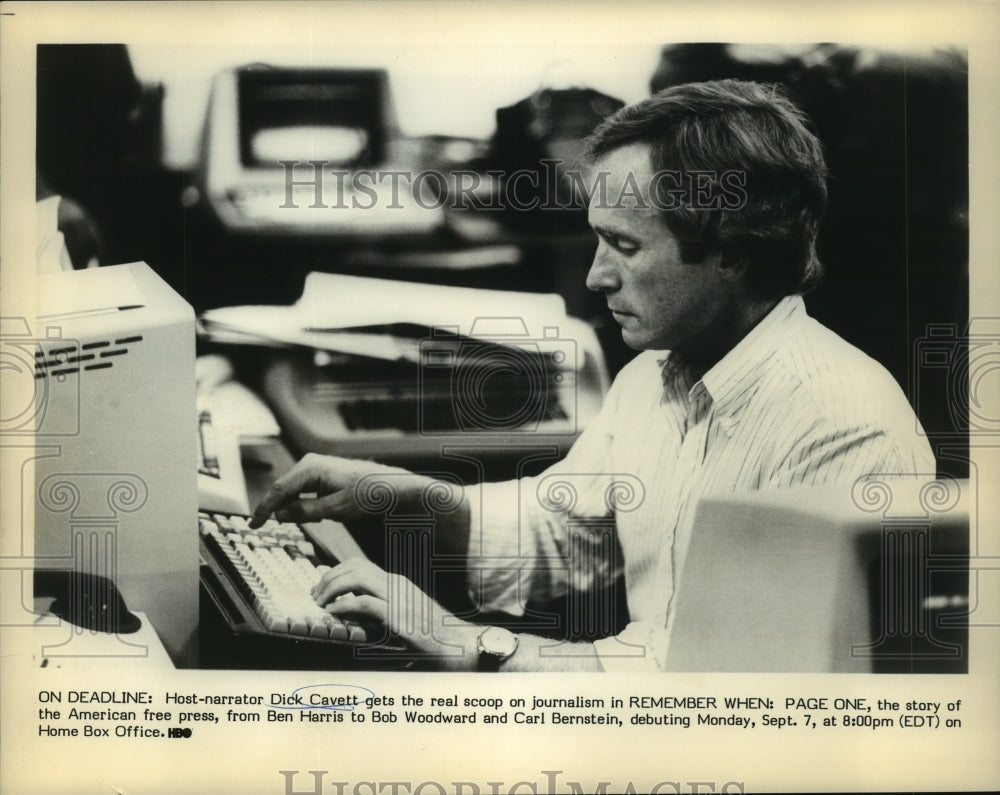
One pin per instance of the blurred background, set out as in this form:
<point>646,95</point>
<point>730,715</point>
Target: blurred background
<point>144,145</point>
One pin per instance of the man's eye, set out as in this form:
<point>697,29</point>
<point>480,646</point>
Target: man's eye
<point>619,244</point>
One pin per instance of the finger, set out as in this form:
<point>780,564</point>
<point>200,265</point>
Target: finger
<point>364,606</point>
<point>337,505</point>
<point>406,611</point>
<point>328,577</point>
<point>350,582</point>
<point>363,577</point>
<point>304,476</point>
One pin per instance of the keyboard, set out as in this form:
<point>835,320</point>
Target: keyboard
<point>259,583</point>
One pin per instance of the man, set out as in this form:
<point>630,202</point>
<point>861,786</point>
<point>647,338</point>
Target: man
<point>706,214</point>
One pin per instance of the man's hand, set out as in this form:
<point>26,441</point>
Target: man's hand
<point>355,492</point>
<point>358,588</point>
<point>332,488</point>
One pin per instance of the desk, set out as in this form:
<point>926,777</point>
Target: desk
<point>58,644</point>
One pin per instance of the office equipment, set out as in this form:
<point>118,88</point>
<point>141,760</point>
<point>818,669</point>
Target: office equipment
<point>303,152</point>
<point>257,597</point>
<point>831,579</point>
<point>461,392</point>
<point>229,415</point>
<point>116,440</point>
<point>397,370</point>
<point>221,485</point>
<point>238,410</point>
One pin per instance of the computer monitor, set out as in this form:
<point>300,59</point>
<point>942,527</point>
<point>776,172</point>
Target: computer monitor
<point>115,433</point>
<point>306,151</point>
<point>340,116</point>
<point>870,578</point>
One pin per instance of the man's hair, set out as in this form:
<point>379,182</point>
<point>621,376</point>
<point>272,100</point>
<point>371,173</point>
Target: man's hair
<point>757,136</point>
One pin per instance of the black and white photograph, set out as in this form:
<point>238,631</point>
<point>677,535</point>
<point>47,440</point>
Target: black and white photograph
<point>471,397</point>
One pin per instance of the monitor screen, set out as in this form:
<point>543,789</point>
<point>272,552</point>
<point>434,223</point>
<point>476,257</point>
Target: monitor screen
<point>334,115</point>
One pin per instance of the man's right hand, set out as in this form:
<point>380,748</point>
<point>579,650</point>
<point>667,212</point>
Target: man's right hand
<point>349,491</point>
<point>325,487</point>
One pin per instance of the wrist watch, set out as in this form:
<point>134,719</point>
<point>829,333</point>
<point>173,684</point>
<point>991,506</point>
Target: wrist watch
<point>496,645</point>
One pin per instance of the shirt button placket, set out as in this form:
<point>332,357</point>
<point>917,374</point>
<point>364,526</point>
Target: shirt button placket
<point>690,458</point>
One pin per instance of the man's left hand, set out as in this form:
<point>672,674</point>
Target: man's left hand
<point>357,588</point>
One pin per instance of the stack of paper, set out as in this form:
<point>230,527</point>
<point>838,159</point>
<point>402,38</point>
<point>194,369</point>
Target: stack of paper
<point>384,318</point>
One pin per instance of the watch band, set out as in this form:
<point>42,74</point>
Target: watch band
<point>495,645</point>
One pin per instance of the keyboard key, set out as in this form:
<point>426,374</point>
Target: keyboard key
<point>356,632</point>
<point>320,630</point>
<point>338,630</point>
<point>307,548</point>
<point>239,524</point>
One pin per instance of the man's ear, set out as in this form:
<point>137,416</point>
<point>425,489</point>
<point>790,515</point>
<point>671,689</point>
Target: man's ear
<point>731,264</point>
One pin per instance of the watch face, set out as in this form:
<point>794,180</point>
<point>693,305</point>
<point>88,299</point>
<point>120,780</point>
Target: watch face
<point>498,641</point>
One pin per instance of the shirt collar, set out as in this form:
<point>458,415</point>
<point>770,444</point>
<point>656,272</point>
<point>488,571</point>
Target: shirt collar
<point>731,382</point>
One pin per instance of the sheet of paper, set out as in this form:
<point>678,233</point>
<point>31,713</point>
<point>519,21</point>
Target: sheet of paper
<point>333,304</point>
<point>282,325</point>
<point>332,301</point>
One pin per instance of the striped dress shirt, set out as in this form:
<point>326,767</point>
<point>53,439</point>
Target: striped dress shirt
<point>792,404</point>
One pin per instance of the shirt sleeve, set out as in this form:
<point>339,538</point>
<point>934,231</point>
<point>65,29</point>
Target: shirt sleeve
<point>639,648</point>
<point>536,538</point>
<point>842,455</point>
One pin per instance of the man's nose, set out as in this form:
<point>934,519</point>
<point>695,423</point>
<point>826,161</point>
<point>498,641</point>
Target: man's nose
<point>603,275</point>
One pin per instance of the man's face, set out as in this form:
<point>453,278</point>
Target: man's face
<point>659,301</point>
